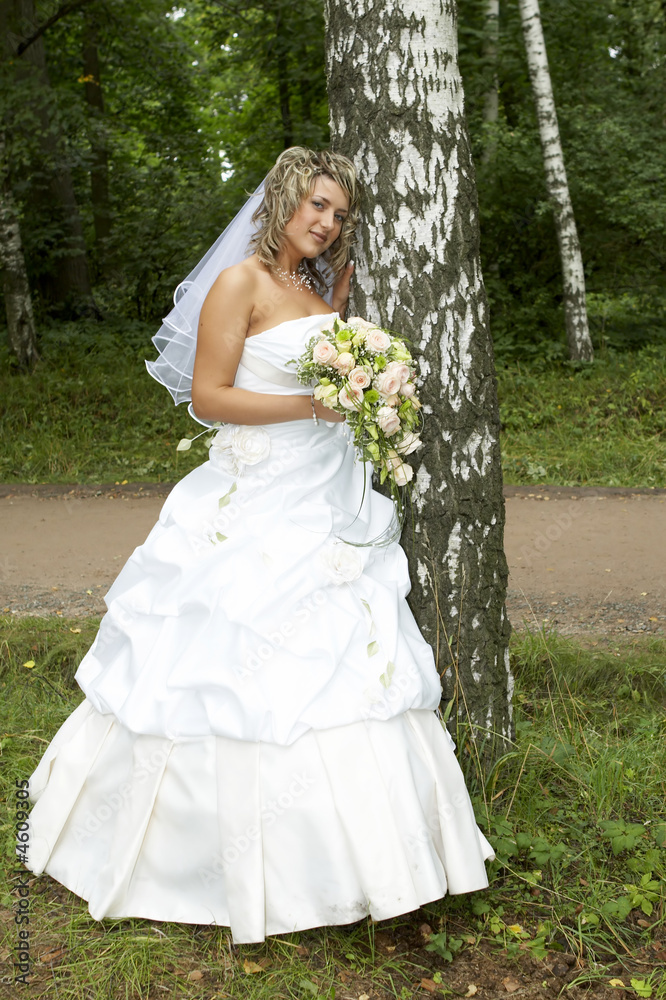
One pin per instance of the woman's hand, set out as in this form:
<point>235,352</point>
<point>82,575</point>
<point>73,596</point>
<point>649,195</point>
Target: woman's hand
<point>341,290</point>
<point>324,413</point>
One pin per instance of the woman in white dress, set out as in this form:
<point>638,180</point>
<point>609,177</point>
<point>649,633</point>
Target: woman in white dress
<point>259,745</point>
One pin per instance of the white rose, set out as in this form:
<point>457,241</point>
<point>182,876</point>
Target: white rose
<point>409,443</point>
<point>377,341</point>
<point>235,446</point>
<point>399,369</point>
<point>342,563</point>
<point>350,398</point>
<point>401,472</point>
<point>250,444</point>
<point>220,451</point>
<point>344,362</point>
<point>327,394</point>
<point>387,383</point>
<point>324,353</point>
<point>359,378</point>
<point>388,420</point>
<point>407,389</point>
<point>360,324</point>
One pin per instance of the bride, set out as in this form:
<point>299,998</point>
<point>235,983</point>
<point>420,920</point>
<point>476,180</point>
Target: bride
<point>242,756</point>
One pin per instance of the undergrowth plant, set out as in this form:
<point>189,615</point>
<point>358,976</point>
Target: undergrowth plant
<point>574,810</point>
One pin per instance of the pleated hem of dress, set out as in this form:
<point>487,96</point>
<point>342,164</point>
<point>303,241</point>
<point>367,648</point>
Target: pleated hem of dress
<point>369,818</point>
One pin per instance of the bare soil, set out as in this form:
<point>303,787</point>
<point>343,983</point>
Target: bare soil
<point>580,560</point>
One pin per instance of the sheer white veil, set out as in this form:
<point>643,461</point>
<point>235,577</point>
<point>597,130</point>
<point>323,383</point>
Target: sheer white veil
<point>176,339</point>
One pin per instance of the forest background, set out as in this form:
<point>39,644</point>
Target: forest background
<point>133,132</point>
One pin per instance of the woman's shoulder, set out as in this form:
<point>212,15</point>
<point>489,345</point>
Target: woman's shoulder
<point>239,277</point>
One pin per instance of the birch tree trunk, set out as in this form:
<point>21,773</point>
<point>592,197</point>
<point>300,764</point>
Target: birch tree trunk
<point>573,275</point>
<point>491,100</point>
<point>397,111</point>
<point>18,304</point>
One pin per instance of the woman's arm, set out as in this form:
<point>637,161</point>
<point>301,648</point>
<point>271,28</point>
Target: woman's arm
<point>225,317</point>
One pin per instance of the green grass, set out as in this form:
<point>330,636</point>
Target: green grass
<point>90,413</point>
<point>597,425</point>
<point>575,812</point>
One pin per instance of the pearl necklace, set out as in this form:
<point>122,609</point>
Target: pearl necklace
<point>299,280</point>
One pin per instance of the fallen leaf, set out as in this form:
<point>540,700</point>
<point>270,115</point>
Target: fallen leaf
<point>643,923</point>
<point>515,928</point>
<point>75,630</point>
<point>471,990</point>
<point>195,975</point>
<point>510,984</point>
<point>52,956</point>
<point>429,985</point>
<point>251,967</point>
<point>616,982</point>
<point>302,951</point>
<point>364,996</point>
<point>29,664</point>
<point>426,930</point>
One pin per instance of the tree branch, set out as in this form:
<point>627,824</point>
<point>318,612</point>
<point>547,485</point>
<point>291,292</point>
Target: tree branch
<point>66,8</point>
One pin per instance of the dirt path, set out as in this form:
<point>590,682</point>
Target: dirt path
<point>581,560</point>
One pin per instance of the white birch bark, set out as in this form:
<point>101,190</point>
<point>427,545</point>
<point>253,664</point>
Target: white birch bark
<point>18,304</point>
<point>573,275</point>
<point>397,110</point>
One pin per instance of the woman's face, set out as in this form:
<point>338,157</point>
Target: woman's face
<point>316,224</point>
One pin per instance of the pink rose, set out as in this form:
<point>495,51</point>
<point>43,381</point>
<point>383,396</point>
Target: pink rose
<point>393,400</point>
<point>387,383</point>
<point>377,341</point>
<point>344,362</point>
<point>360,324</point>
<point>388,420</point>
<point>408,389</point>
<point>399,369</point>
<point>359,378</point>
<point>350,398</point>
<point>324,353</point>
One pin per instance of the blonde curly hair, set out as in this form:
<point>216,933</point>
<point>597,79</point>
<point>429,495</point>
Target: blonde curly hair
<point>292,179</point>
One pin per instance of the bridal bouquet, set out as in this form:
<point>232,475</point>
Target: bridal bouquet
<point>367,374</point>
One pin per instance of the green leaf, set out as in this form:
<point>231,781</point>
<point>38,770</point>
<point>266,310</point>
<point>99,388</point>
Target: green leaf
<point>220,537</point>
<point>385,678</point>
<point>184,444</point>
<point>223,501</point>
<point>373,648</point>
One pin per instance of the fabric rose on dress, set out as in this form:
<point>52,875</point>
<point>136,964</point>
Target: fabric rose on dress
<point>344,362</point>
<point>350,398</point>
<point>342,563</point>
<point>377,341</point>
<point>324,353</point>
<point>359,378</point>
<point>236,445</point>
<point>388,420</point>
<point>387,383</point>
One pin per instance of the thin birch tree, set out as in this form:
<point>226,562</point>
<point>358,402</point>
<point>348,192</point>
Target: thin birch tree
<point>396,105</point>
<point>18,303</point>
<point>573,275</point>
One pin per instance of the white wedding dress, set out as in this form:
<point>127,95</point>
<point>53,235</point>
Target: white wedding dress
<point>258,746</point>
